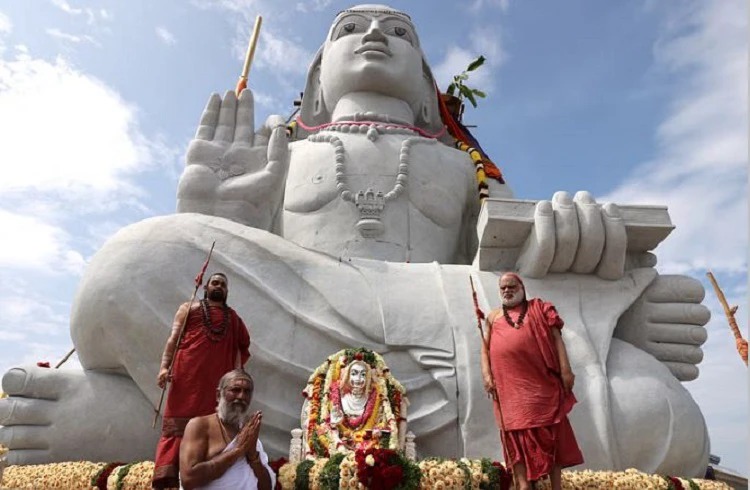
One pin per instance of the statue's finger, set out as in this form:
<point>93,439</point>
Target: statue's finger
<point>690,313</point>
<point>676,333</point>
<point>683,371</point>
<point>566,232</point>
<point>688,354</point>
<point>227,117</point>
<point>539,249</point>
<point>245,117</point>
<point>209,118</point>
<point>591,242</point>
<point>263,135</point>
<point>675,289</point>
<point>278,151</point>
<point>612,264</point>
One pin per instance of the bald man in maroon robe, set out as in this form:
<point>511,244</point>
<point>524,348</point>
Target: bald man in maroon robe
<point>215,342</point>
<point>527,368</point>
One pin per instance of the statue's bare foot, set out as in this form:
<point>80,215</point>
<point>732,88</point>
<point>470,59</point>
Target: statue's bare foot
<point>54,415</point>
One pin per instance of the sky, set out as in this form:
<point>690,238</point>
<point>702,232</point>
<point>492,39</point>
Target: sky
<point>640,102</point>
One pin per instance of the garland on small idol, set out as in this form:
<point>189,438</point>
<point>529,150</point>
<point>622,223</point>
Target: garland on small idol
<point>378,424</point>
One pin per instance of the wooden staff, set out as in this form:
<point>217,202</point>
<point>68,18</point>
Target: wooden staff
<point>67,356</point>
<point>494,395</point>
<point>242,83</point>
<point>729,312</point>
<point>198,282</point>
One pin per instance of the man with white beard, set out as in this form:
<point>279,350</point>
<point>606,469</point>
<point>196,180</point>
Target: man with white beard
<point>222,450</point>
<point>528,371</point>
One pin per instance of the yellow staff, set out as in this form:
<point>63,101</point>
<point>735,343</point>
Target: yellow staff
<point>242,82</point>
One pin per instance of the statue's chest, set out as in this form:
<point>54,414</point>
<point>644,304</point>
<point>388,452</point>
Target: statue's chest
<point>331,165</point>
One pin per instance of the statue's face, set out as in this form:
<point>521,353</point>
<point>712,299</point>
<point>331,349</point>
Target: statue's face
<point>511,292</point>
<point>372,51</point>
<point>358,377</point>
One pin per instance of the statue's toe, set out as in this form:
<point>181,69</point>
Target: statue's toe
<point>24,411</point>
<point>24,437</point>
<point>35,382</point>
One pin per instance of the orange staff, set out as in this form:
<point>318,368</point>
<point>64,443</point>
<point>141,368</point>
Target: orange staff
<point>729,312</point>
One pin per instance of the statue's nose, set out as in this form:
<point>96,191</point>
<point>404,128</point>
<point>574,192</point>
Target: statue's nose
<point>375,34</point>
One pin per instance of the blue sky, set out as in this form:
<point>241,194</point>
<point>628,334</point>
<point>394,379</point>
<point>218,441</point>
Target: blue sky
<point>638,102</point>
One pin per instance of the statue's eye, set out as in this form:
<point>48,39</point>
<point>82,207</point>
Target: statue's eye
<point>350,27</point>
<point>400,31</point>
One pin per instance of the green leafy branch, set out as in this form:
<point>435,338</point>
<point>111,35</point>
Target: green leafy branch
<point>459,89</point>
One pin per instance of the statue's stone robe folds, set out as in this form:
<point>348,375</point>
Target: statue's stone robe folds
<point>303,305</point>
<point>334,272</point>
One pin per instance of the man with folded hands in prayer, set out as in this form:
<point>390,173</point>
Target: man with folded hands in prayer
<point>222,450</point>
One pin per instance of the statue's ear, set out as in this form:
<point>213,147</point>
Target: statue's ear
<point>428,112</point>
<point>313,110</point>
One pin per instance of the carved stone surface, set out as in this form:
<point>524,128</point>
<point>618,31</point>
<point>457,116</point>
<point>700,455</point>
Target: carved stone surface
<point>308,283</point>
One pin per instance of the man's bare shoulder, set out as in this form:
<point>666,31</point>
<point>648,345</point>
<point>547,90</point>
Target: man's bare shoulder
<point>199,425</point>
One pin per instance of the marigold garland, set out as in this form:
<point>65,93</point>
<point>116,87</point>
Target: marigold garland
<point>485,474</point>
<point>476,158</point>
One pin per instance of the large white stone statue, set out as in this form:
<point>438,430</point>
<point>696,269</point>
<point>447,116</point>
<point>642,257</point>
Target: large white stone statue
<point>363,231</point>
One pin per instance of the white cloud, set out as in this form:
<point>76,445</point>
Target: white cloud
<point>313,5</point>
<point>503,5</point>
<point>31,243</point>
<point>166,36</point>
<point>6,26</point>
<point>282,54</point>
<point>72,38</point>
<point>65,7</point>
<point>66,132</point>
<point>484,41</point>
<point>700,169</point>
<point>90,13</point>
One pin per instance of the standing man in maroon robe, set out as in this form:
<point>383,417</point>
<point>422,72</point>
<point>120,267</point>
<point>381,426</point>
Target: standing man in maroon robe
<point>215,342</point>
<point>531,373</point>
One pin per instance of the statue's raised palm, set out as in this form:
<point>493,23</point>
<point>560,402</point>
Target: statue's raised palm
<point>232,171</point>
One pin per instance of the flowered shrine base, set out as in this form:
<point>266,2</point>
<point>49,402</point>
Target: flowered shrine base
<point>445,474</point>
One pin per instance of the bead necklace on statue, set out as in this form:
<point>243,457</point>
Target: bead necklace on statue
<point>215,333</point>
<point>369,202</point>
<point>517,324</point>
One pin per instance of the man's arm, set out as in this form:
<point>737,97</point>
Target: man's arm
<point>171,346</point>
<point>258,463</point>
<point>485,357</point>
<point>195,469</point>
<point>568,378</point>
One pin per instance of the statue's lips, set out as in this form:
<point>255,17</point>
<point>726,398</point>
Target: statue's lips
<point>372,47</point>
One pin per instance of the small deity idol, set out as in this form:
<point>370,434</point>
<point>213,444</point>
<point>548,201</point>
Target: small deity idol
<point>353,403</point>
